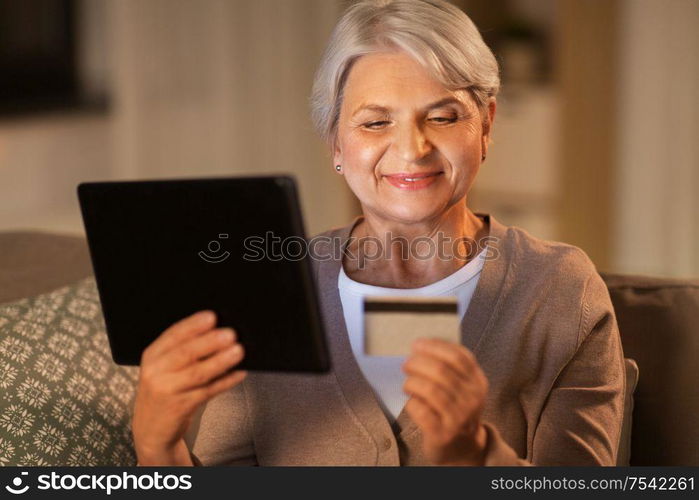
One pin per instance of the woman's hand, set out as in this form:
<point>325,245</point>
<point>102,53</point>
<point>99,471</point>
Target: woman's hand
<point>182,369</point>
<point>448,390</point>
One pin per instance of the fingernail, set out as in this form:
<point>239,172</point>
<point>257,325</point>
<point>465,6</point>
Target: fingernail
<point>235,351</point>
<point>226,335</point>
<point>207,316</point>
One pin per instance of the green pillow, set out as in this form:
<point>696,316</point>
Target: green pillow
<point>63,401</point>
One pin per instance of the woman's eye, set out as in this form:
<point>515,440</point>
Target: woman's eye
<point>443,119</point>
<point>375,124</point>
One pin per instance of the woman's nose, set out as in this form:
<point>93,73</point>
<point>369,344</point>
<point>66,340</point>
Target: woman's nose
<point>411,143</point>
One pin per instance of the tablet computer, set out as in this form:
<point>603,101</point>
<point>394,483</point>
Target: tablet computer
<point>162,250</point>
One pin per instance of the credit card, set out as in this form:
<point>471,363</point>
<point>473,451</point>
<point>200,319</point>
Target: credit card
<point>391,324</point>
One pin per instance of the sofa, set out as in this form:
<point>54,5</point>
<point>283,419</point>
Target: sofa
<point>64,402</point>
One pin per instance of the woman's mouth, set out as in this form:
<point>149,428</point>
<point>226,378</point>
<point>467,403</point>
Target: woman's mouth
<point>412,182</point>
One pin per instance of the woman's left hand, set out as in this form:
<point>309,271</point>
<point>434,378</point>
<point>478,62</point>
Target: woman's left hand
<point>447,391</point>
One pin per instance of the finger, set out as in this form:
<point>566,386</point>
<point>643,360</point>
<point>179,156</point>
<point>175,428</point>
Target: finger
<point>423,415</point>
<point>440,400</point>
<point>219,385</point>
<point>197,348</point>
<point>437,371</point>
<point>203,372</point>
<point>456,355</point>
<point>181,331</point>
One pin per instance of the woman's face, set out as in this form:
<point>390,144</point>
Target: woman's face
<point>409,148</point>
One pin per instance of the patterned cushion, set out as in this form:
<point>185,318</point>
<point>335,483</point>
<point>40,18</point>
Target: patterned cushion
<point>63,401</point>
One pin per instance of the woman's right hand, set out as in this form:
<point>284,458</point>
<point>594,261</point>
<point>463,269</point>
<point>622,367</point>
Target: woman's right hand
<point>181,370</point>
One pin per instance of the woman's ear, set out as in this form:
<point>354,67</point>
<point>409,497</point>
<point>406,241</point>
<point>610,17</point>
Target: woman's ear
<point>488,125</point>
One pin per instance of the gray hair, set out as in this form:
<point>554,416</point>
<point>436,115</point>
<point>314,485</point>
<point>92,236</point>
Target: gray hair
<point>437,34</point>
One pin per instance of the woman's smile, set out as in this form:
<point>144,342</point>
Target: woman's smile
<point>413,182</point>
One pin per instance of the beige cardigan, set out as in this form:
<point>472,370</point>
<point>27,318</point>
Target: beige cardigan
<point>542,327</point>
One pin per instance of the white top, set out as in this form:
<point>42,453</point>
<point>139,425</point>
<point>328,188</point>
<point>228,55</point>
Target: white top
<point>384,372</point>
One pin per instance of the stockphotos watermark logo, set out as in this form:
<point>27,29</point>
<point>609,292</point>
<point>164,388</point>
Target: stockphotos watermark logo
<point>362,250</point>
<point>214,247</point>
<point>107,483</point>
<point>18,487</point>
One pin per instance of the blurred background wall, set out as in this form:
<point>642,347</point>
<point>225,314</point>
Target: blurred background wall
<point>595,140</point>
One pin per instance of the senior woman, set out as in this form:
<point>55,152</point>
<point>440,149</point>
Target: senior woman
<point>405,99</point>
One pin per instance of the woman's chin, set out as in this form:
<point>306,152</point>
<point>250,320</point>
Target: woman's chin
<point>413,213</point>
<point>410,207</point>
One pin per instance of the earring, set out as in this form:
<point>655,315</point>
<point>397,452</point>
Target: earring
<point>483,157</point>
<point>338,167</point>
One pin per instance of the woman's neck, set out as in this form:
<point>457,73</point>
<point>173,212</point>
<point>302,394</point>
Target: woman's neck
<point>397,255</point>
